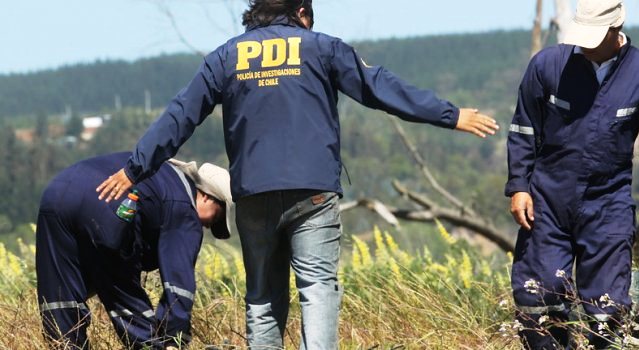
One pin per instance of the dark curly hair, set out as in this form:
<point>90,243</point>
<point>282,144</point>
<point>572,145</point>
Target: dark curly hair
<point>262,12</point>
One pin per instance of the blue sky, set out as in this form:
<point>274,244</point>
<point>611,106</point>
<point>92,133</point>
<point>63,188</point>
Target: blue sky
<point>41,34</point>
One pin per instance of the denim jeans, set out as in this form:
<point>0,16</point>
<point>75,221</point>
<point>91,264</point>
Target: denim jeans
<point>300,229</point>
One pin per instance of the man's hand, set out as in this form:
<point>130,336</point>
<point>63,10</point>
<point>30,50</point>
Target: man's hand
<point>521,208</point>
<point>114,186</point>
<point>470,120</point>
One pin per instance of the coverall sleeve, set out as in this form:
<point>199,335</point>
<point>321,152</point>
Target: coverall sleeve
<point>375,87</point>
<point>178,247</point>
<point>177,123</point>
<point>524,130</point>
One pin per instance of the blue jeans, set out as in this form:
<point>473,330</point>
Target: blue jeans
<point>300,228</point>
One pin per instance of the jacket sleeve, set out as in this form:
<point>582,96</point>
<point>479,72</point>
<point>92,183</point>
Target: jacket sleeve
<point>177,123</point>
<point>178,247</point>
<point>378,88</point>
<point>525,129</point>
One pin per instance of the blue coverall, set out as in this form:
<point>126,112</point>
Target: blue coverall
<point>571,146</point>
<point>83,248</point>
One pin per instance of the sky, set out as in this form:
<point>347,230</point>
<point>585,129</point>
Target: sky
<point>45,34</point>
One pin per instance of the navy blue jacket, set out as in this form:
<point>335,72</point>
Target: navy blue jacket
<point>166,232</point>
<point>569,133</point>
<point>279,88</point>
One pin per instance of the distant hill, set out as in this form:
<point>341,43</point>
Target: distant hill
<point>445,63</point>
<point>473,70</point>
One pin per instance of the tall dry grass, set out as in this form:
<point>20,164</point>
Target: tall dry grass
<point>392,300</point>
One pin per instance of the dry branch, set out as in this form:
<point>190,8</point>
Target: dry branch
<point>459,214</point>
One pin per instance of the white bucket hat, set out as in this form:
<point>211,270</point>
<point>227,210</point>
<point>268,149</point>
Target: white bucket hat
<point>216,182</point>
<point>592,20</point>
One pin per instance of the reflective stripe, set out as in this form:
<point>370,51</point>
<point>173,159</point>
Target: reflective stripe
<point>538,310</point>
<point>184,182</point>
<point>120,313</point>
<point>526,130</point>
<point>601,317</point>
<point>179,291</point>
<point>626,112</point>
<point>559,102</point>
<point>126,312</point>
<point>62,305</point>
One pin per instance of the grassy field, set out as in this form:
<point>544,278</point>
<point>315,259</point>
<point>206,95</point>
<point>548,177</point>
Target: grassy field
<point>392,300</point>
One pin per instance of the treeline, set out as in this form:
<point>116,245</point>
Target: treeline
<point>480,70</point>
<point>29,166</point>
<point>95,87</point>
<point>446,63</point>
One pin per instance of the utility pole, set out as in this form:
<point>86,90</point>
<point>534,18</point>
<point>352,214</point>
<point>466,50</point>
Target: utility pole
<point>118,103</point>
<point>147,101</point>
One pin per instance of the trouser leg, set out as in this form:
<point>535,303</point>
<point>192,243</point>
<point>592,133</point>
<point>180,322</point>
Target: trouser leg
<point>266,261</point>
<point>315,248</point>
<point>603,273</point>
<point>118,285</point>
<point>62,291</point>
<point>542,282</point>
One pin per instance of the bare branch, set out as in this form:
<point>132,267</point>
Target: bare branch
<point>164,8</point>
<point>453,217</point>
<point>213,23</point>
<point>426,172</point>
<point>374,205</point>
<point>232,14</point>
<point>480,228</point>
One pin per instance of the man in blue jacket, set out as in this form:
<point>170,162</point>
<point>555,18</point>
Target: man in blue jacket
<point>570,150</point>
<point>84,248</point>
<point>278,84</point>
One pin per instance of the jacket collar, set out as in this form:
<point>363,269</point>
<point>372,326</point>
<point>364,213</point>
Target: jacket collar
<point>620,55</point>
<point>279,20</point>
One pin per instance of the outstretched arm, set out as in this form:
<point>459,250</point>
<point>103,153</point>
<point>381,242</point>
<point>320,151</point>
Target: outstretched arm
<point>165,136</point>
<point>471,121</point>
<point>376,87</point>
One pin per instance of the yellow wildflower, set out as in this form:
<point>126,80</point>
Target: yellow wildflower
<point>394,268</point>
<point>485,268</point>
<point>364,251</point>
<point>392,245</point>
<point>381,253</point>
<point>239,265</point>
<point>15,264</point>
<point>357,259</point>
<point>439,269</point>
<point>444,233</point>
<point>466,270</point>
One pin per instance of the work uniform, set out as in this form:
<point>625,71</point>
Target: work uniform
<point>84,248</point>
<point>571,146</point>
<point>278,85</point>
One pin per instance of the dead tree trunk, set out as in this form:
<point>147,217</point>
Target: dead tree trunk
<point>558,24</point>
<point>536,41</point>
<point>456,212</point>
<point>563,15</point>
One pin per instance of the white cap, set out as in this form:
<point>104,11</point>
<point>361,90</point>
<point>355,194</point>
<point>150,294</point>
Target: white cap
<point>592,21</point>
<point>216,182</point>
